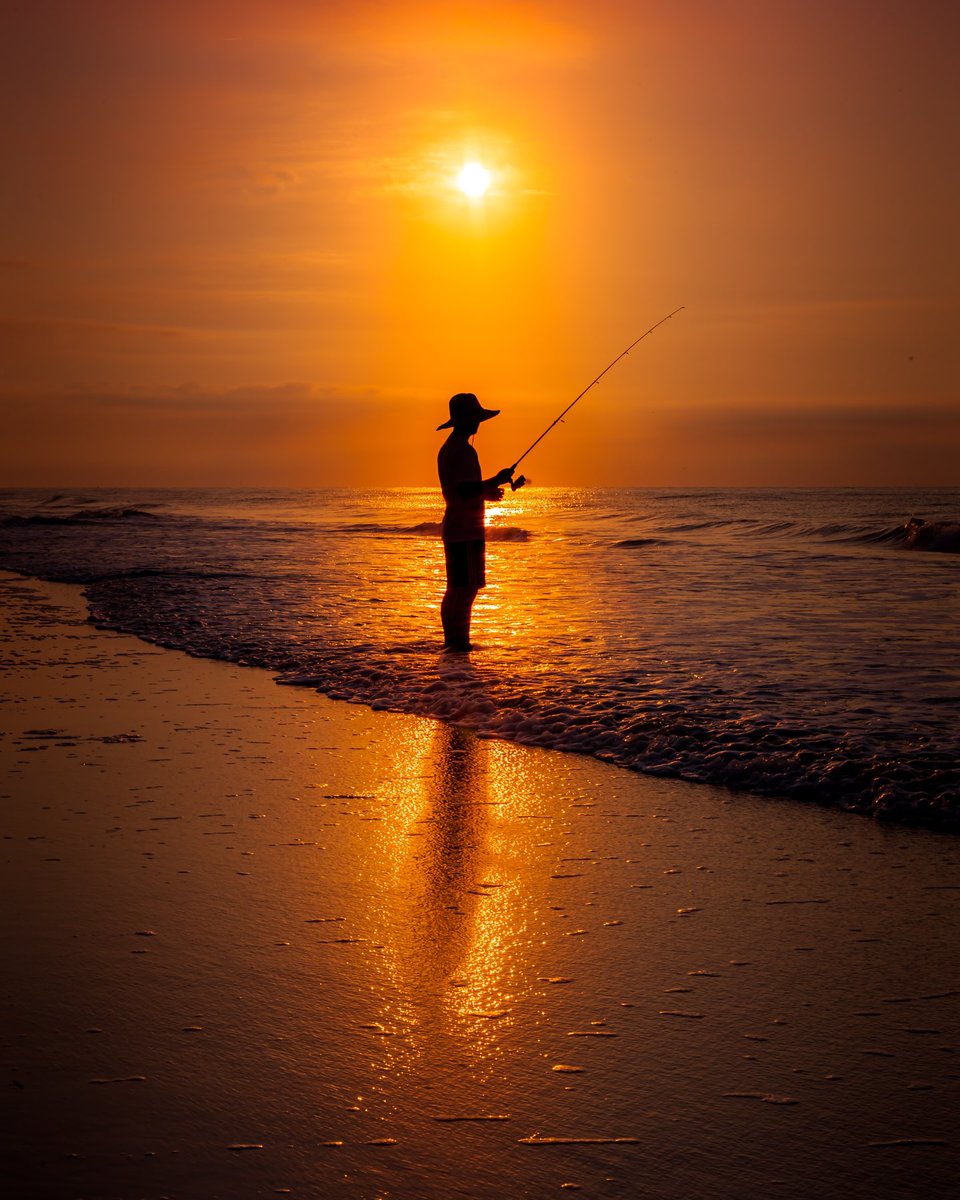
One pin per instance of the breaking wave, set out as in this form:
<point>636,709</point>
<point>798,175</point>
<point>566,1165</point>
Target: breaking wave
<point>942,536</point>
<point>913,534</point>
<point>82,516</point>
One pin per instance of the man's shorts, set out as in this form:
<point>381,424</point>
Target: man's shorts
<point>466,564</point>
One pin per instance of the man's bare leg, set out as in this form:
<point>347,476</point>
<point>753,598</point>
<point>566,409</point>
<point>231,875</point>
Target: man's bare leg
<point>455,613</point>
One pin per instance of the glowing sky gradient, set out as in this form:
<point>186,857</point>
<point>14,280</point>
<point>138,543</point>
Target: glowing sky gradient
<point>232,249</point>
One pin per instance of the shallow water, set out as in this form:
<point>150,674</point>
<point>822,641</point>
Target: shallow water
<point>802,643</point>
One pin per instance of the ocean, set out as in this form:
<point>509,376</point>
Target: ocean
<point>789,643</point>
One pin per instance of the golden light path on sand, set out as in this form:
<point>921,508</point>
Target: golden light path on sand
<point>454,892</point>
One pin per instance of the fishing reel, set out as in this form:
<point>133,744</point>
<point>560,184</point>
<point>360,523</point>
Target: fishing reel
<point>517,483</point>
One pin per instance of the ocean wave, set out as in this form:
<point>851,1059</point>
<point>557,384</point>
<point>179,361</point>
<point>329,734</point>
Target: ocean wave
<point>508,533</point>
<point>697,526</point>
<point>425,527</point>
<point>173,573</point>
<point>75,499</point>
<point>639,543</point>
<point>81,516</point>
<point>941,536</point>
<point>494,533</point>
<point>913,534</point>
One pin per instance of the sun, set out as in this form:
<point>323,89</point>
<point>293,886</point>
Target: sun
<point>473,180</point>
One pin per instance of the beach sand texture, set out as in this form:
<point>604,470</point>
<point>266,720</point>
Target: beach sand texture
<point>257,942</point>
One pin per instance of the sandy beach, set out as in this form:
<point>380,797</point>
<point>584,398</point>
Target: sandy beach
<point>258,942</point>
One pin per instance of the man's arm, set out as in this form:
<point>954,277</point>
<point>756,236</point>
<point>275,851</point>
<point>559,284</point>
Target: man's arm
<point>490,488</point>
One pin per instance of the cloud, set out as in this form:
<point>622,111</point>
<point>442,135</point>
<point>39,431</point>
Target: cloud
<point>263,181</point>
<point>778,420</point>
<point>13,330</point>
<point>290,400</point>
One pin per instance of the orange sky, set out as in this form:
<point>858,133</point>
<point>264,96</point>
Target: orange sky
<point>231,251</point>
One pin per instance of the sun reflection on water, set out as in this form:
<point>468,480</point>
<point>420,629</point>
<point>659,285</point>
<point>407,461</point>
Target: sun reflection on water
<point>452,926</point>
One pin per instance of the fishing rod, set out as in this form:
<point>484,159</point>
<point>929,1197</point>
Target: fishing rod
<point>518,483</point>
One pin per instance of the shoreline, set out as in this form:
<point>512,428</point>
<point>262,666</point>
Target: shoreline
<point>460,693</point>
<point>265,940</point>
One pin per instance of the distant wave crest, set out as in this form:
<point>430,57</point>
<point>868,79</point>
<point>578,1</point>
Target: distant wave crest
<point>81,516</point>
<point>942,536</point>
<point>915,534</point>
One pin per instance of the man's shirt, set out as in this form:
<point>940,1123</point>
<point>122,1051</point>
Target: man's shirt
<point>458,463</point>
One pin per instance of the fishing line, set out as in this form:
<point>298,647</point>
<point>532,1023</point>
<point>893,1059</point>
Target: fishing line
<point>518,483</point>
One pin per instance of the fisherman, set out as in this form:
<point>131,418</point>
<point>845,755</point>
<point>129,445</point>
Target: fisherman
<point>465,491</point>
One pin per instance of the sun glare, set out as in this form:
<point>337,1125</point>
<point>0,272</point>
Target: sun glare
<point>473,180</point>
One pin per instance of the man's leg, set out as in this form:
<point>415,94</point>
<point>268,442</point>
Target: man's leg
<point>455,612</point>
<point>466,575</point>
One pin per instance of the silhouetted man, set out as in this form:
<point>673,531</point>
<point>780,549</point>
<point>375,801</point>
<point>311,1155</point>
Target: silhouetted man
<point>465,491</point>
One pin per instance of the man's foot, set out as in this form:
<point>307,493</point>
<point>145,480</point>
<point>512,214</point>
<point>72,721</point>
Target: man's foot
<point>457,647</point>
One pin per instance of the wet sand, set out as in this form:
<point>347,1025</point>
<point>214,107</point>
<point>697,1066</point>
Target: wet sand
<point>262,943</point>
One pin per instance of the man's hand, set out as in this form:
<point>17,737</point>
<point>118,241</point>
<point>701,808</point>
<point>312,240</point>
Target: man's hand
<point>491,489</point>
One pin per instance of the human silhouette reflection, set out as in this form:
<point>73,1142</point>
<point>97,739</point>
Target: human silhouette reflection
<point>454,850</point>
<point>451,948</point>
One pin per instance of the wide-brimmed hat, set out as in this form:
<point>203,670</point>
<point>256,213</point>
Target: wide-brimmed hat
<point>465,407</point>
